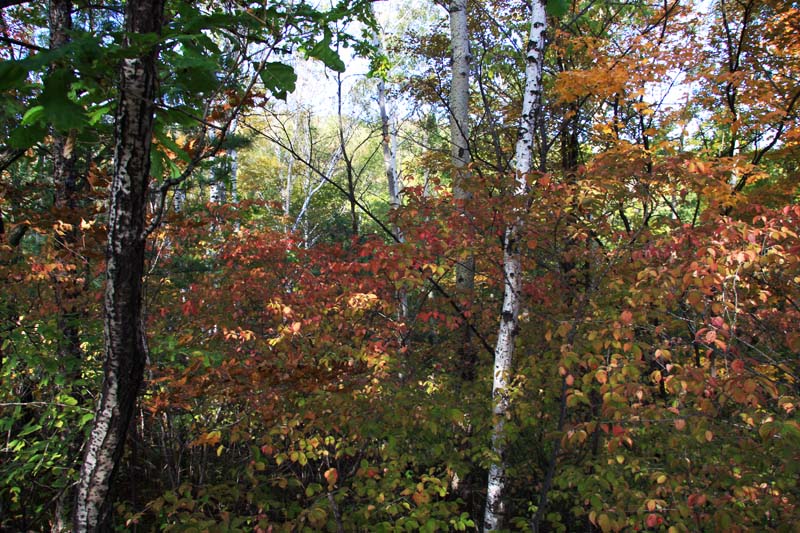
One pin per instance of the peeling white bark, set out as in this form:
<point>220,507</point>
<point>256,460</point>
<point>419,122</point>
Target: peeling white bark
<point>512,271</point>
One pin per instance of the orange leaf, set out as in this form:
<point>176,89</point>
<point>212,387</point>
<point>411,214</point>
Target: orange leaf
<point>331,476</point>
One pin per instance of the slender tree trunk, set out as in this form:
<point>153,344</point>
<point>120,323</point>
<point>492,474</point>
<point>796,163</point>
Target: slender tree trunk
<point>286,193</point>
<point>233,167</point>
<point>178,199</point>
<point>287,190</point>
<point>219,190</point>
<point>460,158</point>
<point>312,189</point>
<point>389,147</point>
<point>64,175</point>
<point>512,271</point>
<point>348,163</point>
<point>124,336</point>
<point>65,181</point>
<point>430,129</point>
<point>66,287</point>
<point>459,96</point>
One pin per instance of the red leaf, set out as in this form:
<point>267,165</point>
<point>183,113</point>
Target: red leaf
<point>653,520</point>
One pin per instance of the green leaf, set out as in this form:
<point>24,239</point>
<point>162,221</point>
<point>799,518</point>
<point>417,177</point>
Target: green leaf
<point>195,69</point>
<point>30,429</point>
<point>156,164</point>
<point>33,115</point>
<point>97,113</point>
<point>12,74</point>
<point>323,51</point>
<point>61,111</point>
<point>26,136</point>
<point>280,79</point>
<point>557,8</point>
<point>68,400</point>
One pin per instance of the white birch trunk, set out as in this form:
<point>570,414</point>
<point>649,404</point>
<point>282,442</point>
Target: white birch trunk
<point>125,348</point>
<point>459,91</point>
<point>389,147</point>
<point>460,159</point>
<point>388,138</point>
<point>289,184</point>
<point>311,190</point>
<point>512,271</point>
<point>430,125</point>
<point>218,189</point>
<point>289,162</point>
<point>233,168</point>
<point>459,122</point>
<point>178,200</point>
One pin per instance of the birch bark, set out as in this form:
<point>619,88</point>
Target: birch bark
<point>460,159</point>
<point>389,148</point>
<point>125,351</point>
<point>512,271</point>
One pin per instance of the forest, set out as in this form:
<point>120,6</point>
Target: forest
<point>413,265</point>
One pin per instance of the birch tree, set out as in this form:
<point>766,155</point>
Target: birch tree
<point>125,350</point>
<point>512,270</point>
<point>389,150</point>
<point>460,159</point>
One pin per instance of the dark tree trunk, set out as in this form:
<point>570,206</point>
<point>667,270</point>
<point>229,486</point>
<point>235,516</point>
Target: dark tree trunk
<point>65,181</point>
<point>124,336</point>
<point>65,281</point>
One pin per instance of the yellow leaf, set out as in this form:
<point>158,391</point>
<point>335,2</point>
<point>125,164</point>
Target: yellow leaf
<point>604,522</point>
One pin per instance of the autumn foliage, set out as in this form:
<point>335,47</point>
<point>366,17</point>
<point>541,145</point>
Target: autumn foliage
<point>297,386</point>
